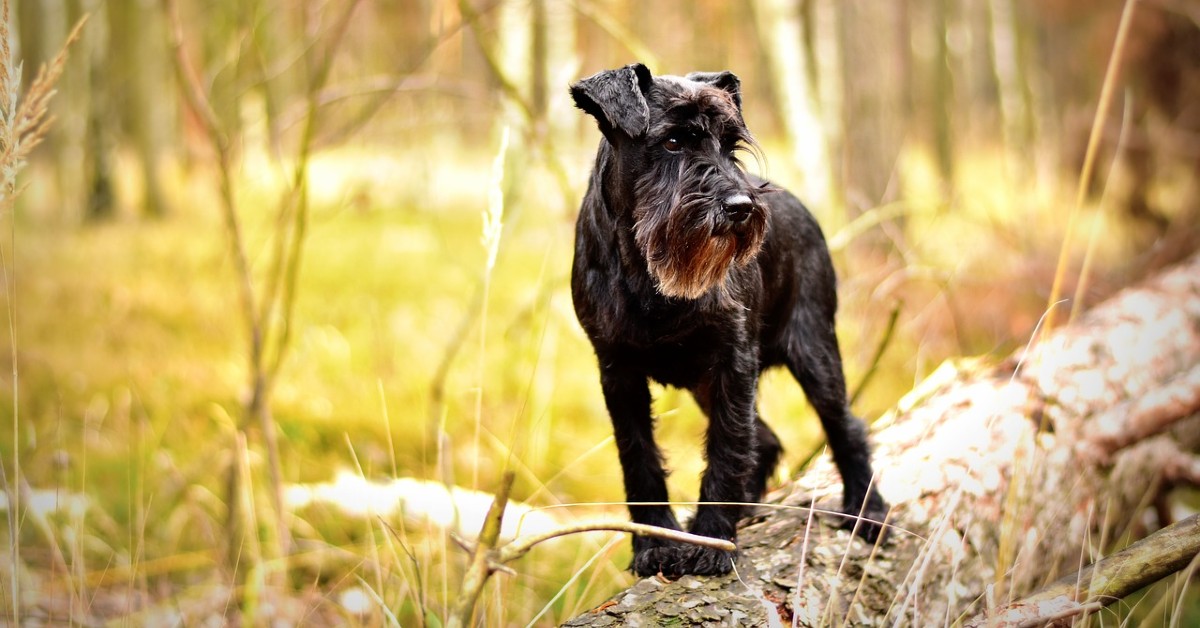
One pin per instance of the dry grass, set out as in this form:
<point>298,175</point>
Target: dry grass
<point>24,122</point>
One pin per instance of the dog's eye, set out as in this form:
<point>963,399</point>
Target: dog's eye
<point>673,144</point>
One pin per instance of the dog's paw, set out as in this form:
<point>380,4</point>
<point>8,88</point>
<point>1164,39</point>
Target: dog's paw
<point>674,560</point>
<point>867,521</point>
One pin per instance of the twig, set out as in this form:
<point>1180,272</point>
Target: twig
<point>426,50</point>
<point>419,598</point>
<point>1149,560</point>
<point>488,557</point>
<point>613,27</point>
<point>256,405</point>
<point>269,321</point>
<point>481,567</point>
<point>294,255</point>
<point>513,94</point>
<point>199,103</point>
<point>521,546</point>
<point>884,342</point>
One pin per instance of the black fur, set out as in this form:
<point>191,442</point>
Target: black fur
<point>694,274</point>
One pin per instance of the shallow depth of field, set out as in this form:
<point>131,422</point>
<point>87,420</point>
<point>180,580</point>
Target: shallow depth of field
<point>942,158</point>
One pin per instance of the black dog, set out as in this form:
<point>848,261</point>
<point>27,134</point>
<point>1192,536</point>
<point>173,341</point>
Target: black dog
<point>693,273</point>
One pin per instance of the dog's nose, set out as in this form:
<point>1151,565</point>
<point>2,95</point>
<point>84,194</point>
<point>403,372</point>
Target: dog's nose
<point>738,207</point>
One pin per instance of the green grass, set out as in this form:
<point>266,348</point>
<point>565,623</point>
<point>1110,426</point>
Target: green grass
<point>132,366</point>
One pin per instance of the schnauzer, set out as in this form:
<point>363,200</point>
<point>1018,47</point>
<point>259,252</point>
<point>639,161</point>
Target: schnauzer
<point>695,274</point>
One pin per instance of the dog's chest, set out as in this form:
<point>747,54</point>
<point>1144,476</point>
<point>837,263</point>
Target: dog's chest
<point>674,346</point>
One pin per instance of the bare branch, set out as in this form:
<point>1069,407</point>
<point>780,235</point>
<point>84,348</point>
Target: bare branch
<point>189,80</point>
<point>481,566</point>
<point>884,341</point>
<point>521,546</point>
<point>200,104</point>
<point>1153,558</point>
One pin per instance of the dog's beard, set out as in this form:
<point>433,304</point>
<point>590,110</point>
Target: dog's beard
<point>690,248</point>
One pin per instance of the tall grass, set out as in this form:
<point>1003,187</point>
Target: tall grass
<point>24,123</point>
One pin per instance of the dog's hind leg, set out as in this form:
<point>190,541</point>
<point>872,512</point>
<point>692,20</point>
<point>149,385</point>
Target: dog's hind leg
<point>767,450</point>
<point>766,457</point>
<point>813,357</point>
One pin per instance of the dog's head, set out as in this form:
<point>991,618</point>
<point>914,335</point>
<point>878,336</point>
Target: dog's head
<point>675,142</point>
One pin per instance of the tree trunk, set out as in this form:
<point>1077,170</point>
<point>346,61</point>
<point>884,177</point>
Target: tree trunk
<point>99,141</point>
<point>871,125</point>
<point>1002,478</point>
<point>137,72</point>
<point>789,64</point>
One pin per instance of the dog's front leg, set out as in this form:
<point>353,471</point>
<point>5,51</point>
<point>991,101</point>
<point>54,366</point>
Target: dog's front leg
<point>727,396</point>
<point>627,395</point>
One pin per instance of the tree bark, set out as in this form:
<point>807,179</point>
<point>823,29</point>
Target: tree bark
<point>1003,478</point>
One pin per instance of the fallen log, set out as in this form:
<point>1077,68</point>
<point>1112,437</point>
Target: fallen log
<point>1003,478</point>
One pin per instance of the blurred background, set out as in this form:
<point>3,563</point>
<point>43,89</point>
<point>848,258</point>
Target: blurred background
<point>268,334</point>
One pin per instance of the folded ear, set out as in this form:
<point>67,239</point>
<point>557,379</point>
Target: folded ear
<point>726,80</point>
<point>616,99</point>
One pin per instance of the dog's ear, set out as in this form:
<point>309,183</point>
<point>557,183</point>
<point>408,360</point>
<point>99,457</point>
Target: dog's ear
<point>726,80</point>
<point>617,99</point>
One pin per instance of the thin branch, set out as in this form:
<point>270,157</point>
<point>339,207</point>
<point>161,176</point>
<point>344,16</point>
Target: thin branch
<point>521,546</point>
<point>513,94</point>
<point>427,49</point>
<point>471,17</point>
<point>1149,560</point>
<point>199,103</point>
<point>618,32</point>
<point>481,566</point>
<point>880,349</point>
<point>419,598</point>
<point>487,557</point>
<point>293,256</point>
<point>189,80</point>
<point>300,185</point>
